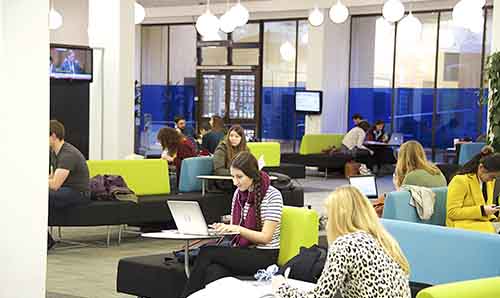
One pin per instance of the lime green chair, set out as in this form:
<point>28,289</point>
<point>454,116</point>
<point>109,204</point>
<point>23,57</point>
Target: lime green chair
<point>144,177</point>
<point>315,143</point>
<point>299,227</point>
<point>270,150</point>
<point>477,288</point>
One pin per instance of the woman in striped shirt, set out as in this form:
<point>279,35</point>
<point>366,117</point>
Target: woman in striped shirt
<point>255,216</point>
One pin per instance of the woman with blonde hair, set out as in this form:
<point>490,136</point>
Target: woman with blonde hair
<point>363,261</point>
<point>413,168</point>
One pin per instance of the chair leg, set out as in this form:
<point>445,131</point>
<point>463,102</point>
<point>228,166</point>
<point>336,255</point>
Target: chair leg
<point>120,229</point>
<point>326,173</point>
<point>59,231</point>
<point>108,237</point>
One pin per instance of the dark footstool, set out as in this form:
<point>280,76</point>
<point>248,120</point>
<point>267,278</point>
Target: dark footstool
<point>151,277</point>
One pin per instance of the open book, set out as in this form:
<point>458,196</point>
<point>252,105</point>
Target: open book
<point>245,289</point>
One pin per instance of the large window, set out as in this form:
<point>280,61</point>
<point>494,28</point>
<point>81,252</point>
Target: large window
<point>433,94</point>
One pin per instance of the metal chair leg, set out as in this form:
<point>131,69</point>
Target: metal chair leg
<point>108,237</point>
<point>59,231</point>
<point>326,173</point>
<point>120,229</point>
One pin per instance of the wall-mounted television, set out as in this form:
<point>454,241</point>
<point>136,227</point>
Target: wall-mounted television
<point>68,62</point>
<point>308,101</point>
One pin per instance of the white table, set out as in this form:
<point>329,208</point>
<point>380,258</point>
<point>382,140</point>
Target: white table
<point>205,178</point>
<point>175,235</point>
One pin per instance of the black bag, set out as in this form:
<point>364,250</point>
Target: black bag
<point>284,182</point>
<point>307,265</point>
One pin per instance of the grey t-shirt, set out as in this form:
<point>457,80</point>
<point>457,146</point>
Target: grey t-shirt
<point>71,159</point>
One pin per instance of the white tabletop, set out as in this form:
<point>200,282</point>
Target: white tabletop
<point>176,235</point>
<point>215,177</point>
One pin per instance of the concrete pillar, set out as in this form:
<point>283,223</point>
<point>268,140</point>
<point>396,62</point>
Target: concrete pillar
<point>24,119</point>
<point>111,27</point>
<point>328,70</point>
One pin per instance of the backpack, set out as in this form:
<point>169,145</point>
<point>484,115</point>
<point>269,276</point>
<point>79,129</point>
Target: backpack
<point>307,265</point>
<point>284,182</point>
<point>110,188</point>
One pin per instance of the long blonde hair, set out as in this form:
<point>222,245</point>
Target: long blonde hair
<point>412,157</point>
<point>350,211</point>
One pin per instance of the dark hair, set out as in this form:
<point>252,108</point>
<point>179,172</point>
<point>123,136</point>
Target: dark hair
<point>487,158</point>
<point>178,118</point>
<point>233,151</point>
<point>364,125</point>
<point>57,128</point>
<point>378,122</point>
<point>357,116</point>
<point>205,126</point>
<point>218,123</point>
<point>169,139</point>
<point>248,164</point>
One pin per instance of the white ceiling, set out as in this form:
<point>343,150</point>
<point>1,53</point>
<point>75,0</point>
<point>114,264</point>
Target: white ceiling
<point>166,3</point>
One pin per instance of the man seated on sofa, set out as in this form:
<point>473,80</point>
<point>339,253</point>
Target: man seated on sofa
<point>68,176</point>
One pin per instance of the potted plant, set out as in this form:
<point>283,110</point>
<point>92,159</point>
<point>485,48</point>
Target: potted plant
<point>493,76</point>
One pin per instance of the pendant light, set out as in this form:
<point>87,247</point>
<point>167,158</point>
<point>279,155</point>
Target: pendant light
<point>139,13</point>
<point>411,28</point>
<point>339,13</point>
<point>316,17</point>
<point>228,20</point>
<point>55,18</point>
<point>393,10</point>
<point>287,51</point>
<point>207,23</point>
<point>240,14</point>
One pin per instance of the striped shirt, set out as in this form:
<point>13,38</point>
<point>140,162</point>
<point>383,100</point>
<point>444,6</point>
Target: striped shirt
<point>270,210</point>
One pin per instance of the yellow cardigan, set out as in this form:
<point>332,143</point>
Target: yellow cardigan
<point>463,204</point>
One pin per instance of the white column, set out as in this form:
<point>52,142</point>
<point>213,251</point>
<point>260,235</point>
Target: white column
<point>496,26</point>
<point>328,70</point>
<point>111,26</point>
<point>24,119</point>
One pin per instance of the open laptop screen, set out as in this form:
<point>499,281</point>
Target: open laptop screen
<point>366,184</point>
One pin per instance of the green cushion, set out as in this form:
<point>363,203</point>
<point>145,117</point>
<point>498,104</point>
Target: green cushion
<point>270,150</point>
<point>144,177</point>
<point>299,227</point>
<point>478,288</point>
<point>312,143</point>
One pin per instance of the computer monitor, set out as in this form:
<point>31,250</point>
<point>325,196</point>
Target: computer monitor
<point>308,101</point>
<point>366,184</point>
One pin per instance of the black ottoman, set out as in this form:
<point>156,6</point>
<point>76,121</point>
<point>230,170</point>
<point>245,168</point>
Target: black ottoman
<point>294,171</point>
<point>151,277</point>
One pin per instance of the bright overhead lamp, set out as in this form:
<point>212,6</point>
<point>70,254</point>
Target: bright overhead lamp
<point>240,14</point>
<point>55,18</point>
<point>228,20</point>
<point>316,17</point>
<point>410,27</point>
<point>393,10</point>
<point>339,13</point>
<point>207,23</point>
<point>287,51</point>
<point>139,13</point>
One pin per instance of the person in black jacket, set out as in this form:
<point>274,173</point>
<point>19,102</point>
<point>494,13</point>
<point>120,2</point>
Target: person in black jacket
<point>211,140</point>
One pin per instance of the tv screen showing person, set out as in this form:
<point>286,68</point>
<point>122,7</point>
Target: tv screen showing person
<point>70,63</point>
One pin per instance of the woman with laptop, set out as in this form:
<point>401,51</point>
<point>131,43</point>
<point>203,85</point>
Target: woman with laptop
<point>363,260</point>
<point>255,218</point>
<point>470,203</point>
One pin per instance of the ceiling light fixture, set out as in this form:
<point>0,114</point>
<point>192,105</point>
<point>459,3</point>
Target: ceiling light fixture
<point>393,10</point>
<point>139,13</point>
<point>207,23</point>
<point>55,18</point>
<point>241,14</point>
<point>228,20</point>
<point>316,17</point>
<point>339,13</point>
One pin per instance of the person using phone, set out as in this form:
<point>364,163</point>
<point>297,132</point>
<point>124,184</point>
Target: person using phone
<point>470,204</point>
<point>363,260</point>
<point>255,217</point>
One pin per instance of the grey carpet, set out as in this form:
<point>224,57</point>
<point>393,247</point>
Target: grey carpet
<point>57,295</point>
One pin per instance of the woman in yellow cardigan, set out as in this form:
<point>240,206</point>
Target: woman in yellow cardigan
<point>470,204</point>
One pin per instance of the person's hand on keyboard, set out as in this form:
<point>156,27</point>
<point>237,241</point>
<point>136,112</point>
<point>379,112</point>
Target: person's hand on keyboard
<point>221,228</point>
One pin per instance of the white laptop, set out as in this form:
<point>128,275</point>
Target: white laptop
<point>366,184</point>
<point>188,218</point>
<point>396,139</point>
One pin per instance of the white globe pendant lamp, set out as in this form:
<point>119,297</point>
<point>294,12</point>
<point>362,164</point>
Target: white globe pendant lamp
<point>240,14</point>
<point>287,51</point>
<point>212,36</point>
<point>316,17</point>
<point>227,22</point>
<point>469,14</point>
<point>139,13</point>
<point>55,18</point>
<point>393,10</point>
<point>411,28</point>
<point>207,23</point>
<point>339,13</point>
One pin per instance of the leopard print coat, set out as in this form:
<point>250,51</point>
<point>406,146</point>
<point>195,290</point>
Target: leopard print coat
<point>358,267</point>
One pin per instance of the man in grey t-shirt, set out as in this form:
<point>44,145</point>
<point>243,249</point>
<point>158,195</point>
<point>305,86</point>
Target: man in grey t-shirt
<point>69,174</point>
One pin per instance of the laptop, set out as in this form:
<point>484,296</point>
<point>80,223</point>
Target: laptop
<point>396,139</point>
<point>188,218</point>
<point>367,184</point>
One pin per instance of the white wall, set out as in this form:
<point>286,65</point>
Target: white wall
<point>496,26</point>
<point>24,119</point>
<point>75,22</point>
